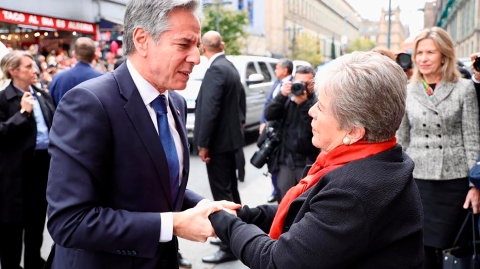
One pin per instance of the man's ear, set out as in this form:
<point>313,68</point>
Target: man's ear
<point>140,41</point>
<point>13,72</point>
<point>356,134</point>
<point>222,46</point>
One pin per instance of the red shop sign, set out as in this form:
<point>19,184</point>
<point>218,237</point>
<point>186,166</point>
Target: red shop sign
<point>48,22</point>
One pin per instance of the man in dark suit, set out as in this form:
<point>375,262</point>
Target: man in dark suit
<point>65,81</point>
<point>117,183</point>
<point>218,126</point>
<point>283,71</point>
<point>26,114</point>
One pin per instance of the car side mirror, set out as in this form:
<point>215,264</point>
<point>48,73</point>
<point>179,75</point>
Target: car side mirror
<point>255,79</point>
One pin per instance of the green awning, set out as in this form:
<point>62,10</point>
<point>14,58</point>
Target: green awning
<point>444,16</point>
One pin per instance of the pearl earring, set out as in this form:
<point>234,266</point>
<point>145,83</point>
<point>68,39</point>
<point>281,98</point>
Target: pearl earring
<point>346,140</point>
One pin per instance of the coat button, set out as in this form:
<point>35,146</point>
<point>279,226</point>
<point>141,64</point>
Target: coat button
<point>427,146</point>
<point>424,125</point>
<point>134,253</point>
<point>440,147</point>
<point>119,252</point>
<point>426,136</point>
<point>129,253</point>
<point>440,136</point>
<point>438,125</point>
<point>436,113</point>
<point>124,252</point>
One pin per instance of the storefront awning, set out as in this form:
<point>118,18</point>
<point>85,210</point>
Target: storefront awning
<point>16,17</point>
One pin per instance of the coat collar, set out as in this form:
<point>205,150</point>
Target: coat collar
<point>11,92</point>
<point>442,91</point>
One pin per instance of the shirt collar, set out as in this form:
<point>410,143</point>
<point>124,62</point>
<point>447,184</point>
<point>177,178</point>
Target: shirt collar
<point>287,79</point>
<point>146,90</point>
<point>215,56</point>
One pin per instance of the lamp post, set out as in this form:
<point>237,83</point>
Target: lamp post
<point>217,5</point>
<point>295,30</point>
<point>389,22</point>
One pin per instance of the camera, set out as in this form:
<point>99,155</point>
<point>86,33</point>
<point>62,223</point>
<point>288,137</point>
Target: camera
<point>404,60</point>
<point>476,64</point>
<point>260,157</point>
<point>298,87</point>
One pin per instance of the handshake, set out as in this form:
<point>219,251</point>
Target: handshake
<point>193,224</point>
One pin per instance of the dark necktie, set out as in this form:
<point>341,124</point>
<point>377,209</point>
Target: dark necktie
<point>160,106</point>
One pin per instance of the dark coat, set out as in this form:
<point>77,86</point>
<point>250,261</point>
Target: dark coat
<point>18,135</point>
<point>296,149</point>
<point>66,80</point>
<point>109,178</point>
<point>219,112</point>
<point>365,214</point>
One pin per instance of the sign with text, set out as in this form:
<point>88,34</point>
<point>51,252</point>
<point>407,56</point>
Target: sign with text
<point>47,22</point>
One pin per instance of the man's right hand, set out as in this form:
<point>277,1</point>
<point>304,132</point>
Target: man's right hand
<point>287,88</point>
<point>27,102</point>
<point>193,224</point>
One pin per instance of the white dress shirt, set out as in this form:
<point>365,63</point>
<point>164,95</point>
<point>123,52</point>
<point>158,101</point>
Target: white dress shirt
<point>280,85</point>
<point>215,56</point>
<point>148,94</point>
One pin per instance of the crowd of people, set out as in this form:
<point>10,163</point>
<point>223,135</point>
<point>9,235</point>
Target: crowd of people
<point>390,153</point>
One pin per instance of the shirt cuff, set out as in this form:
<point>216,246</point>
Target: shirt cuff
<point>474,80</point>
<point>166,227</point>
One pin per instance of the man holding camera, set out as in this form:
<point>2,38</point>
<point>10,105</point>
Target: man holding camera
<point>291,108</point>
<point>476,72</point>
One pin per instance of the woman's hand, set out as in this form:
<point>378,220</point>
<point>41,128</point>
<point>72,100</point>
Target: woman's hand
<point>473,197</point>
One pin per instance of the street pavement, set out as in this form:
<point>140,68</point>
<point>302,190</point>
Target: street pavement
<point>254,191</point>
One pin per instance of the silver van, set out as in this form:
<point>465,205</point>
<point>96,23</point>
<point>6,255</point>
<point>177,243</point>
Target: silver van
<point>257,76</point>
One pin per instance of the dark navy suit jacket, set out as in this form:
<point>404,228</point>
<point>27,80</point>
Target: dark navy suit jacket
<point>66,80</point>
<point>109,178</point>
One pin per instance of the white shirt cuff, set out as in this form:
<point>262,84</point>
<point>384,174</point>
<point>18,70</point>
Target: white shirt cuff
<point>166,227</point>
<point>474,80</point>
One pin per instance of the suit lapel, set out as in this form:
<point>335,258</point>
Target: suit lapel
<point>141,121</point>
<point>177,113</point>
<point>442,91</point>
<point>418,92</point>
<point>46,109</point>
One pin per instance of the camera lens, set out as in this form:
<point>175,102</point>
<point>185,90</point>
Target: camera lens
<point>298,88</point>
<point>404,60</point>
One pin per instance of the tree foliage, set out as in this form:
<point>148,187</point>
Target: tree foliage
<point>232,25</point>
<point>307,48</point>
<point>362,45</point>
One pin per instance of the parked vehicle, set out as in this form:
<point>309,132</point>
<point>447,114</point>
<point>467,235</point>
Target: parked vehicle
<point>257,77</point>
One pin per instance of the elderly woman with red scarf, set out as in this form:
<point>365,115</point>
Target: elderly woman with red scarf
<point>358,207</point>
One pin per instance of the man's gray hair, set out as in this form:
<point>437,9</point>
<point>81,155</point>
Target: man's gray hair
<point>287,63</point>
<point>365,89</point>
<point>152,16</point>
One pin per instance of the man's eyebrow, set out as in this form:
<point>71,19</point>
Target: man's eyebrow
<point>185,39</point>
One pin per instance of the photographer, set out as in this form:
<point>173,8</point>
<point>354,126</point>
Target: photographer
<point>291,108</point>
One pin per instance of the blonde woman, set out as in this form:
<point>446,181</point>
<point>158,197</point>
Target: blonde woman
<point>440,132</point>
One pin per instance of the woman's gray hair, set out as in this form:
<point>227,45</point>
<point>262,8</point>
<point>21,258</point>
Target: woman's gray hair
<point>366,89</point>
<point>152,16</point>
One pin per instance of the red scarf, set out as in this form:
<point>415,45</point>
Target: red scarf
<point>325,163</point>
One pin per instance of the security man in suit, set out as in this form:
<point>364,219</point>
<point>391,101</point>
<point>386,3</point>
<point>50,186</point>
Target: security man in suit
<point>218,126</point>
<point>83,70</point>
<point>26,114</point>
<point>117,184</point>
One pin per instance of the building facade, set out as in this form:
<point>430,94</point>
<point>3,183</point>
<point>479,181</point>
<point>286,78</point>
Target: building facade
<point>398,32</point>
<point>461,19</point>
<point>276,31</point>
